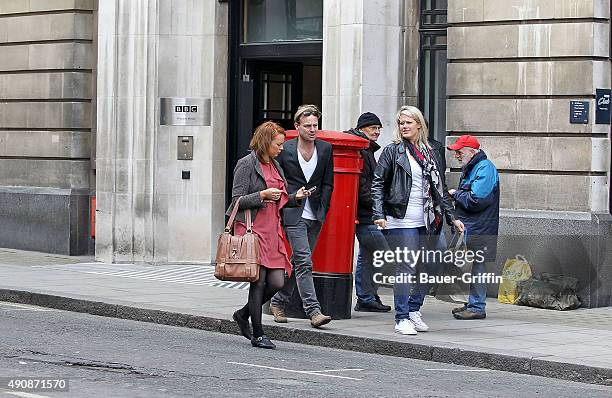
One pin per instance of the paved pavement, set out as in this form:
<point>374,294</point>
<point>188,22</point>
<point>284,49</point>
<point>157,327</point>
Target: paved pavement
<point>574,345</point>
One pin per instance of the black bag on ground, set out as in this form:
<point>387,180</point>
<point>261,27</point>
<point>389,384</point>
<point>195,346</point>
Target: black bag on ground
<point>549,291</point>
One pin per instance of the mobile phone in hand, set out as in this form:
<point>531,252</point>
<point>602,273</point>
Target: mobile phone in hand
<point>311,190</point>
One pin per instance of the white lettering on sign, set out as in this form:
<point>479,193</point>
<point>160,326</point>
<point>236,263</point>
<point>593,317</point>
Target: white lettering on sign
<point>605,100</point>
<point>185,108</point>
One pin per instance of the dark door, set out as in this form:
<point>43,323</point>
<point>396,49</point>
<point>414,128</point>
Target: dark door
<point>277,91</point>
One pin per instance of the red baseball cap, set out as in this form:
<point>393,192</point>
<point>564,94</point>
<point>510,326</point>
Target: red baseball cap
<point>463,141</point>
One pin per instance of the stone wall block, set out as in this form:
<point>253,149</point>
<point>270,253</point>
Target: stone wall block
<point>569,193</point>
<point>331,60</point>
<point>55,5</point>
<point>600,159</point>
<point>13,58</point>
<point>132,63</point>
<point>483,42</point>
<point>466,115</point>
<point>536,41</point>
<point>352,14</point>
<point>55,85</point>
<point>573,39</point>
<point>132,17</point>
<point>601,74</point>
<point>548,116</point>
<point>174,64</point>
<point>465,79</point>
<point>465,11</point>
<point>382,12</point>
<point>205,65</point>
<point>518,10</point>
<point>601,33</point>
<point>58,56</point>
<point>191,210</point>
<point>57,144</point>
<point>3,30</point>
<point>600,193</point>
<point>381,43</point>
<point>577,8</point>
<point>49,27</point>
<point>572,154</point>
<point>350,53</point>
<point>331,14</point>
<point>14,6</point>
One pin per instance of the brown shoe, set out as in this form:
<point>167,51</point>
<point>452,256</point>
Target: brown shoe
<point>318,320</point>
<point>279,314</point>
<point>458,309</point>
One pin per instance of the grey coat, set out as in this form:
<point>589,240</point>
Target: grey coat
<point>249,180</point>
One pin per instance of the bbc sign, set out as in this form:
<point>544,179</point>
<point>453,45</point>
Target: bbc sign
<point>185,108</point>
<point>175,111</point>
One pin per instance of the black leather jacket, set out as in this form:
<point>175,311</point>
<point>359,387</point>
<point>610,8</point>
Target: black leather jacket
<point>393,181</point>
<point>364,198</point>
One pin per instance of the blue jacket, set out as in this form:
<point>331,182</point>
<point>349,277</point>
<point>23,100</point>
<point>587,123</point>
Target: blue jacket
<point>477,204</point>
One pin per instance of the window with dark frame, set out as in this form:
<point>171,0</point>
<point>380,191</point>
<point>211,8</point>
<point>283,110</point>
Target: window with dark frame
<point>432,65</point>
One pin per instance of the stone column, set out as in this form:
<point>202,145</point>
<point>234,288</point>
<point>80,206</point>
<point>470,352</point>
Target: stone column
<point>369,61</point>
<point>147,50</point>
<point>513,68</point>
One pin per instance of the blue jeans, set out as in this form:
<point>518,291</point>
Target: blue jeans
<point>402,239</point>
<point>478,291</point>
<point>370,240</point>
<point>432,267</point>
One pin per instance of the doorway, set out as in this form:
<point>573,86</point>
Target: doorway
<point>275,58</point>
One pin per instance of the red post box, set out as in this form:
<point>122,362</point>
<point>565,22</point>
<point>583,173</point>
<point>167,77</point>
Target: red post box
<point>333,255</point>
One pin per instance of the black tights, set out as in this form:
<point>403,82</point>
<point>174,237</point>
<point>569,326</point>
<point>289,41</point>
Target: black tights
<point>270,281</point>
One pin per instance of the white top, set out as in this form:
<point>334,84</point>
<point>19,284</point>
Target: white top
<point>308,169</point>
<point>415,216</point>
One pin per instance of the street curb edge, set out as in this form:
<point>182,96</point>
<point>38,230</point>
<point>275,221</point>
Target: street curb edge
<point>456,356</point>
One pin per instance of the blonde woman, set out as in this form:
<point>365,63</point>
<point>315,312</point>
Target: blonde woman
<point>410,198</point>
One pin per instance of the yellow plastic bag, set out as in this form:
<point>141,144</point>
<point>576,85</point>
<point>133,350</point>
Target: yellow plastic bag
<point>515,270</point>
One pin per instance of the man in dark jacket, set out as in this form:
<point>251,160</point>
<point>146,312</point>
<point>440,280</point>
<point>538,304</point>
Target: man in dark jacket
<point>477,205</point>
<point>307,162</point>
<point>369,236</point>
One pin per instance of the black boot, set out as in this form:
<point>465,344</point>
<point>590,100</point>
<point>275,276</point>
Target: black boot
<point>243,324</point>
<point>262,342</point>
<point>373,306</point>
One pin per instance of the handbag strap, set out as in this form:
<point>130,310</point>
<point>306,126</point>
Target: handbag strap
<point>230,222</point>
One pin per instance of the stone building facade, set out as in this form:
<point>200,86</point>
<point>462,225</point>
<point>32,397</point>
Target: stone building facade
<point>47,63</point>
<point>81,83</point>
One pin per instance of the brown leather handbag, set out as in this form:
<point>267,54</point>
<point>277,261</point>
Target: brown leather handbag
<point>238,257</point>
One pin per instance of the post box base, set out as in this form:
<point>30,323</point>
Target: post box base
<point>334,292</point>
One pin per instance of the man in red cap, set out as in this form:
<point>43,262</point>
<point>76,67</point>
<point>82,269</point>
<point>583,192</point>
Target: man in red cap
<point>477,206</point>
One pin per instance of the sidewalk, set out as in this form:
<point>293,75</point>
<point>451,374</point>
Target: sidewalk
<point>574,345</point>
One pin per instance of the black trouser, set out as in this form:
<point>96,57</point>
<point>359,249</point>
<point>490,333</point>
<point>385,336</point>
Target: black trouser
<point>270,281</point>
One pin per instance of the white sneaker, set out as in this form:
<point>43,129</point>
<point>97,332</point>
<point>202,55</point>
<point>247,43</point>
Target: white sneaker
<point>417,322</point>
<point>404,326</point>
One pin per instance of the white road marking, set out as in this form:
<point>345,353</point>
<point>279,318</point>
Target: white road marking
<point>25,394</point>
<point>308,372</point>
<point>334,370</point>
<point>461,370</point>
<point>24,307</point>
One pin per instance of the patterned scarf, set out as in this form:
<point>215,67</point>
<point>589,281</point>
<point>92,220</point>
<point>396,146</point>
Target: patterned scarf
<point>432,187</point>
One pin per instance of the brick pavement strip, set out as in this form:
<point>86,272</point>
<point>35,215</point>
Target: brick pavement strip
<point>437,352</point>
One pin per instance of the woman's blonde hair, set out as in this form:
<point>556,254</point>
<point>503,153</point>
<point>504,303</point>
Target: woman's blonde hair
<point>415,114</point>
<point>263,137</point>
